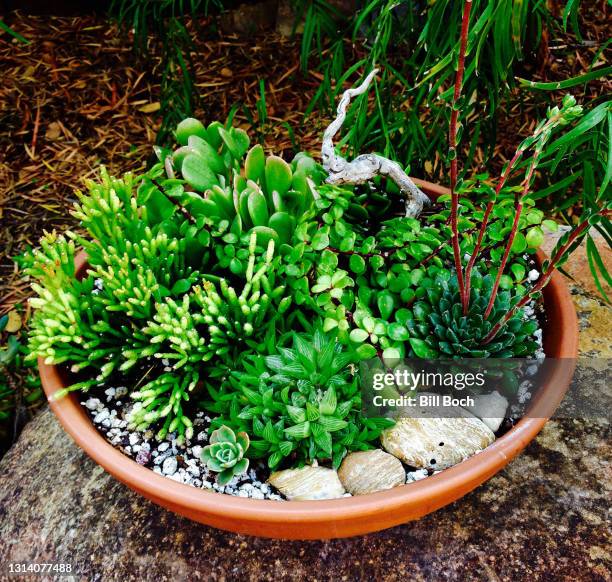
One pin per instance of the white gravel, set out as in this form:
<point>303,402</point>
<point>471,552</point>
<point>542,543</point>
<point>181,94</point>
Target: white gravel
<point>181,463</point>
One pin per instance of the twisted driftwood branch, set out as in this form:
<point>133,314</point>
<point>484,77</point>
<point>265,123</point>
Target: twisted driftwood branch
<point>365,167</point>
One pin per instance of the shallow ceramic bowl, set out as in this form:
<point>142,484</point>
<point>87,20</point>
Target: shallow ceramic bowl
<point>339,517</point>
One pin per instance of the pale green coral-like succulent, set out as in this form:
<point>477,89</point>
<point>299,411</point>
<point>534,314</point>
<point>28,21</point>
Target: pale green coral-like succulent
<point>225,453</point>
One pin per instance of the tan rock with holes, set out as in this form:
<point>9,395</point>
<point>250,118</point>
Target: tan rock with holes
<point>436,443</point>
<point>307,483</point>
<point>370,471</point>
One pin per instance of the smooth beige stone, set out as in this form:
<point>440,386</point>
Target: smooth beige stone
<point>307,483</point>
<point>490,408</point>
<point>436,443</point>
<point>370,471</point>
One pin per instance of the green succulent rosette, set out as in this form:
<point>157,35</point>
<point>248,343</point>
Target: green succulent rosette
<point>225,454</point>
<point>439,328</point>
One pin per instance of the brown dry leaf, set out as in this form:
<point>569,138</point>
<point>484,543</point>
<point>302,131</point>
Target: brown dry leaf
<point>53,130</point>
<point>14,322</point>
<point>150,107</point>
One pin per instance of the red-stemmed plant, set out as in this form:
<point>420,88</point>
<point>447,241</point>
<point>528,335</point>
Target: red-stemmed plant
<point>568,112</point>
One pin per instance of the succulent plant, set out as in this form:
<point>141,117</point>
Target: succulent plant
<point>439,329</point>
<point>225,454</point>
<point>145,301</point>
<point>302,402</point>
<point>260,194</point>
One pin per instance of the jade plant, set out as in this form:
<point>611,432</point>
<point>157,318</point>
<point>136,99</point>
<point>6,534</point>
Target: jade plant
<point>225,454</point>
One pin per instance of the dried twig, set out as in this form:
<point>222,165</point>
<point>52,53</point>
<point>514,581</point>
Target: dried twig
<point>367,166</point>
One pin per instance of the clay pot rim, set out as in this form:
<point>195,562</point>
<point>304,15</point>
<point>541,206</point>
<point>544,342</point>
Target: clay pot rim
<point>417,498</point>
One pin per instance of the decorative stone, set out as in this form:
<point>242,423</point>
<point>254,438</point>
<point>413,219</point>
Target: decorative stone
<point>307,483</point>
<point>490,408</point>
<point>170,465</point>
<point>436,443</point>
<point>370,471</point>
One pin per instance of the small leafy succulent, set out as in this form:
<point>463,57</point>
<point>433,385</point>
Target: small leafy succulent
<point>225,454</point>
<point>439,329</point>
<point>302,402</point>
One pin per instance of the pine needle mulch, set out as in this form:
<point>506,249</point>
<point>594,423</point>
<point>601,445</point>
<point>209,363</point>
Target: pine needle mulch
<point>77,97</point>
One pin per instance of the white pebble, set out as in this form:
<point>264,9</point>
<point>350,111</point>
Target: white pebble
<point>193,470</point>
<point>101,416</point>
<point>93,403</point>
<point>416,475</point>
<point>169,466</point>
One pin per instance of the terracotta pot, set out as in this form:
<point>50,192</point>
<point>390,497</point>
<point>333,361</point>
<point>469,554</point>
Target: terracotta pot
<point>341,517</point>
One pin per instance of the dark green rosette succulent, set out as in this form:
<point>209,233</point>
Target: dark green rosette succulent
<point>225,453</point>
<point>440,329</point>
<point>303,403</point>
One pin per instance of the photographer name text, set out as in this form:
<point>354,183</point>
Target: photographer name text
<point>423,400</point>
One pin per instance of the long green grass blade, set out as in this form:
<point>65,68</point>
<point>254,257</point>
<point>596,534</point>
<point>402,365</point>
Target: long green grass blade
<point>567,83</point>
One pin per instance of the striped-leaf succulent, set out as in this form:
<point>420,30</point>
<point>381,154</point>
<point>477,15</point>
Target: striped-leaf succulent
<point>302,403</point>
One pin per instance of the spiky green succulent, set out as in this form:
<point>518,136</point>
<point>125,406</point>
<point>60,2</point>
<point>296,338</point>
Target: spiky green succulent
<point>147,303</point>
<point>225,454</point>
<point>302,403</point>
<point>439,328</point>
